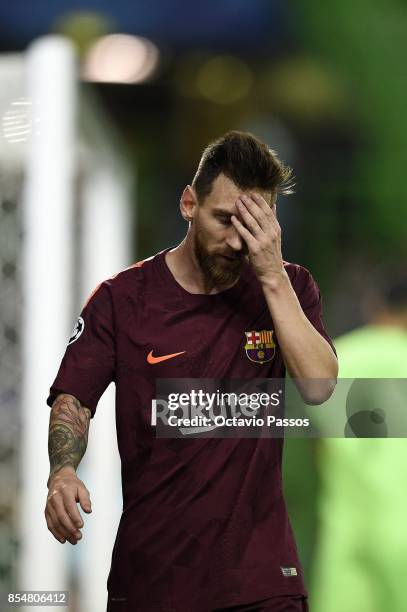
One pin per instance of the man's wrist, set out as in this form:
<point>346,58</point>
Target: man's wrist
<point>275,282</point>
<point>59,472</point>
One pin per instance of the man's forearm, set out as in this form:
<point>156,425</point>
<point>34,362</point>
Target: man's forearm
<point>68,433</point>
<point>306,353</point>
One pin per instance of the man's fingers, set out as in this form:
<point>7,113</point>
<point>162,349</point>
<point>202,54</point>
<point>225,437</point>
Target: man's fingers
<point>244,232</point>
<point>265,207</point>
<point>269,211</point>
<point>53,529</point>
<point>62,513</point>
<point>248,217</point>
<point>72,511</point>
<point>84,499</point>
<point>56,528</point>
<point>65,522</point>
<point>256,211</point>
<point>63,517</point>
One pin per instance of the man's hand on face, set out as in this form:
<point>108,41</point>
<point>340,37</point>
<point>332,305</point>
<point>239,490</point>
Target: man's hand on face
<point>261,231</point>
<point>61,512</point>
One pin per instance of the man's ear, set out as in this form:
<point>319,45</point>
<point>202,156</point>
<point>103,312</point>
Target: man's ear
<point>188,203</point>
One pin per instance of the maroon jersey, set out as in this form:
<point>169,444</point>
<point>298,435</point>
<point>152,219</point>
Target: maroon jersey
<point>204,524</point>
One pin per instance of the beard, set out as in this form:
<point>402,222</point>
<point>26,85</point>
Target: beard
<point>216,270</point>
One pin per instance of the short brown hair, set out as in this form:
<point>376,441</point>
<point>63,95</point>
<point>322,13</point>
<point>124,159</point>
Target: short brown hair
<point>244,159</point>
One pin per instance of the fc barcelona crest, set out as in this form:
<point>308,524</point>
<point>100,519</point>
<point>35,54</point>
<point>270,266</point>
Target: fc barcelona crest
<point>260,346</point>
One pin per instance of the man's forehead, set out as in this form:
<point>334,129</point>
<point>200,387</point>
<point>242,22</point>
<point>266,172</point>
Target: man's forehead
<point>225,192</point>
<point>226,203</point>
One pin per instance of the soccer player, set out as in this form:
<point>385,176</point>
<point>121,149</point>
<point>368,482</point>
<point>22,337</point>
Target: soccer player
<point>204,524</point>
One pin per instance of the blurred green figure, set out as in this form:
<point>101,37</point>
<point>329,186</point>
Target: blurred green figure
<point>361,553</point>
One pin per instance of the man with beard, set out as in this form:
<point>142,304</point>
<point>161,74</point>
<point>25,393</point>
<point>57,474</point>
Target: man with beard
<point>204,525</point>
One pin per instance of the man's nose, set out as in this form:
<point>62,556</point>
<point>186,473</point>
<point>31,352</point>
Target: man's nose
<point>234,240</point>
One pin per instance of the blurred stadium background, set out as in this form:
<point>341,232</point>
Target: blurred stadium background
<point>105,109</point>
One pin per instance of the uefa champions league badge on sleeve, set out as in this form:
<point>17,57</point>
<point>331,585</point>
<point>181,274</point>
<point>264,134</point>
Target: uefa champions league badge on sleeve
<point>77,330</point>
<point>260,346</point>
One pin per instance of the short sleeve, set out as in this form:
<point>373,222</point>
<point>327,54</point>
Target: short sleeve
<point>88,365</point>
<point>310,299</point>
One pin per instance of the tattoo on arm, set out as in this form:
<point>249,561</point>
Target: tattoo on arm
<point>68,432</point>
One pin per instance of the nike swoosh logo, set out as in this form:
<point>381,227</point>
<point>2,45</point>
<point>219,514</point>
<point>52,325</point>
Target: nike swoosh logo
<point>152,359</point>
